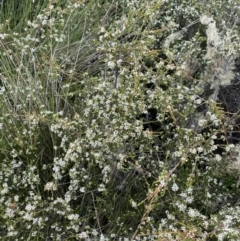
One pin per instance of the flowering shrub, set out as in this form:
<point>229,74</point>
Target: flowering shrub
<point>108,128</point>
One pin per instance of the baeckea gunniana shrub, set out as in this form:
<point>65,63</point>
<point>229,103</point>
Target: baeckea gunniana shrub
<point>119,120</point>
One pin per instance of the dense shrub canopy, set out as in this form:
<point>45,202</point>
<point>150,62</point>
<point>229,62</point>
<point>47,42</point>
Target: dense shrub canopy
<point>120,119</point>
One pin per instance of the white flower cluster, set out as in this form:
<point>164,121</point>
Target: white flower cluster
<point>88,150</point>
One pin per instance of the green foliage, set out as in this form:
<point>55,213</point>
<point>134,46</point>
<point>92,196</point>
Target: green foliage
<point>107,127</point>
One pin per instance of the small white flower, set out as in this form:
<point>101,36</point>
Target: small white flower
<point>205,20</point>
<point>83,235</point>
<point>193,150</point>
<point>73,217</point>
<point>119,62</point>
<point>82,189</point>
<point>94,232</point>
<point>5,189</point>
<point>50,186</point>
<point>200,149</point>
<point>189,200</point>
<point>181,206</point>
<point>229,147</point>
<point>175,187</point>
<point>214,147</point>
<point>218,158</point>
<point>76,5</point>
<point>177,154</point>
<point>102,30</point>
<point>202,122</point>
<point>16,198</point>
<point>198,101</point>
<point>111,64</point>
<point>102,238</point>
<point>29,207</point>
<point>44,22</point>
<point>101,188</point>
<point>160,64</point>
<point>2,90</point>
<point>189,190</point>
<point>209,195</point>
<point>133,204</point>
<point>192,213</point>
<point>180,96</point>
